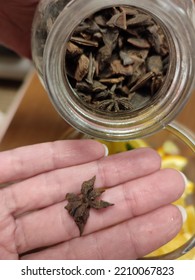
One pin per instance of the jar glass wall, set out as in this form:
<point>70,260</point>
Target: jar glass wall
<point>54,23</point>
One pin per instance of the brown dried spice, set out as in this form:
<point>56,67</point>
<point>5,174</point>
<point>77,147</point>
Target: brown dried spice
<point>82,69</point>
<point>122,46</point>
<point>79,205</point>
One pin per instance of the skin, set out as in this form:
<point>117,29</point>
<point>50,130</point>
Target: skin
<point>32,208</point>
<point>16,18</point>
<point>33,221</point>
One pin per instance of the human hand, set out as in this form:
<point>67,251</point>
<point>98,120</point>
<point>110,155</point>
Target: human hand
<point>15,24</point>
<point>32,214</point>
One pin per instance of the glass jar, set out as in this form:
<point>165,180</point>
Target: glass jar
<point>55,21</point>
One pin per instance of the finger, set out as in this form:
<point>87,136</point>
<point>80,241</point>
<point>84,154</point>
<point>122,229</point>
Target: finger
<point>131,239</point>
<point>51,187</point>
<point>16,18</point>
<point>131,199</point>
<point>29,161</point>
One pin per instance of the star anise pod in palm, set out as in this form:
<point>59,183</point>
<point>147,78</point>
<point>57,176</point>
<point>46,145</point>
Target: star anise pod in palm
<point>79,204</point>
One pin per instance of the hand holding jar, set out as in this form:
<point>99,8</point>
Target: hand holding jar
<point>15,24</point>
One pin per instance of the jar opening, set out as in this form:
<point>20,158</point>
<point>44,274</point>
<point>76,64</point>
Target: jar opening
<point>119,62</point>
<point>114,124</point>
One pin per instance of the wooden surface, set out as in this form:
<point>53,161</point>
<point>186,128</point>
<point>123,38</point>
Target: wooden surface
<point>37,121</point>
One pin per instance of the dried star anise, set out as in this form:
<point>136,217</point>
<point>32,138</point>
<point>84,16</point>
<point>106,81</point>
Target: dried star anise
<point>112,101</point>
<point>115,104</point>
<point>79,205</point>
<point>123,46</point>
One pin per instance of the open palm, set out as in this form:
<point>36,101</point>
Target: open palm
<point>35,225</point>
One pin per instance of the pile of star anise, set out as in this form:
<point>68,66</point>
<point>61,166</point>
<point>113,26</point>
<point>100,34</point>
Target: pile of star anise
<point>117,59</point>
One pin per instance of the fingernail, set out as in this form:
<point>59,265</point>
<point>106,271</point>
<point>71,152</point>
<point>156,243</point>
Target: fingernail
<point>106,150</point>
<point>184,178</point>
<point>183,212</point>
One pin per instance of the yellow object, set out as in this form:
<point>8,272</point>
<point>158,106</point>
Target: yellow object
<point>161,151</point>
<point>174,161</point>
<point>169,147</point>
<point>139,143</point>
<point>190,188</point>
<point>118,147</point>
<point>171,159</point>
<point>183,236</point>
<point>169,153</point>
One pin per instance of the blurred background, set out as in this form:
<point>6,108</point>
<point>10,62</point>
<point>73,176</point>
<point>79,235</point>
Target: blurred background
<point>13,72</point>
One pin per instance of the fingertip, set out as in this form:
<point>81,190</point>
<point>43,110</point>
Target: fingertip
<point>156,157</point>
<point>184,178</point>
<point>182,212</point>
<point>98,144</point>
<point>152,158</point>
<point>174,182</point>
<point>106,152</point>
